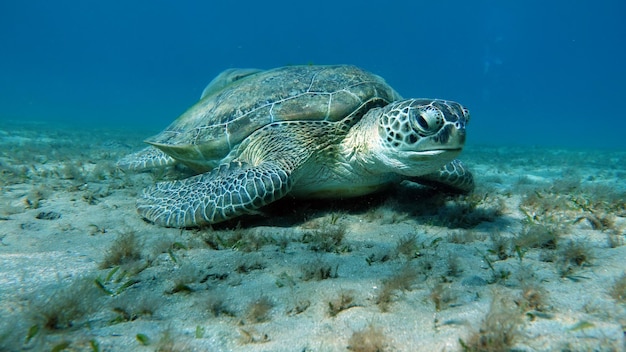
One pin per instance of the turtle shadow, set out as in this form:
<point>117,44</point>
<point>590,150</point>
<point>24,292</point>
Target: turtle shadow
<point>408,200</point>
<point>293,212</point>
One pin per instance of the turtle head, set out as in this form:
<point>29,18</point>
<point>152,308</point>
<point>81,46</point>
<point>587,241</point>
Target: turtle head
<point>418,136</point>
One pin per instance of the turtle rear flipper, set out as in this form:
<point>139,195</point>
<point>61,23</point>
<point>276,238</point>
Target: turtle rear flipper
<point>228,191</point>
<point>147,158</point>
<point>454,176</point>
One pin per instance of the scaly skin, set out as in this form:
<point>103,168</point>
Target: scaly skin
<point>411,138</point>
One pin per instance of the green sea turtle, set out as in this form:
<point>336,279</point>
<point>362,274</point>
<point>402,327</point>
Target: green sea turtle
<point>309,131</point>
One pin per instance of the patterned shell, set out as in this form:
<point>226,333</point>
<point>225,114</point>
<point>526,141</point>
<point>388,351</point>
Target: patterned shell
<point>220,121</point>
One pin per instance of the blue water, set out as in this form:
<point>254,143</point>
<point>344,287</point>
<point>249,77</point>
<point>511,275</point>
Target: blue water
<point>533,72</point>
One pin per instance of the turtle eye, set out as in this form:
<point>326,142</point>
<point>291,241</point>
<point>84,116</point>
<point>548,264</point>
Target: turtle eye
<point>428,120</point>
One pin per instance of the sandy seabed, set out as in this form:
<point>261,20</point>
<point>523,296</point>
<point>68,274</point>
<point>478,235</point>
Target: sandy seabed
<point>533,260</point>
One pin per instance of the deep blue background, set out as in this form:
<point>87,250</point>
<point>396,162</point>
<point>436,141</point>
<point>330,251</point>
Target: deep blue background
<point>532,72</point>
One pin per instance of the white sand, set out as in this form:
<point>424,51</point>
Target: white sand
<point>52,264</point>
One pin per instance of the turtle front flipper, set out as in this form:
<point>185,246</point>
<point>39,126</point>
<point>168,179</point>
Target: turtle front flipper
<point>147,158</point>
<point>262,173</point>
<point>226,192</point>
<point>453,176</point>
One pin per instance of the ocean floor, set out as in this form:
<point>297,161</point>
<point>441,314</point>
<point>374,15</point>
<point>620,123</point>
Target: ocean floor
<point>533,260</point>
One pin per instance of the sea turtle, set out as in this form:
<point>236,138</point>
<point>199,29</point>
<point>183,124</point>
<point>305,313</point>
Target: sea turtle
<point>309,131</point>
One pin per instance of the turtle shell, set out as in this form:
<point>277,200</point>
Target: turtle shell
<point>208,131</point>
